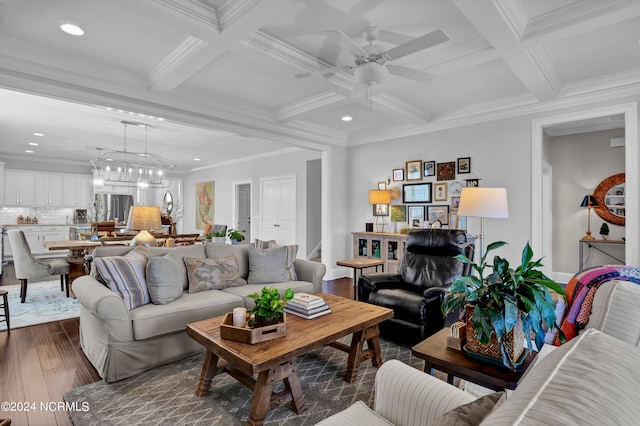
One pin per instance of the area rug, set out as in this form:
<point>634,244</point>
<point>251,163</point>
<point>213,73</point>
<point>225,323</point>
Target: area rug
<point>166,395</point>
<point>45,303</point>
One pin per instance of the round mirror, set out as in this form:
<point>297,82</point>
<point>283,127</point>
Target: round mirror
<point>167,204</point>
<point>609,195</point>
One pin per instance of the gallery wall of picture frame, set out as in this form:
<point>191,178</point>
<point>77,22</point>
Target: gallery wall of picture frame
<point>430,192</point>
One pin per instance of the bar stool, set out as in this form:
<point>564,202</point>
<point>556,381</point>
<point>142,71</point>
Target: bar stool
<point>5,305</point>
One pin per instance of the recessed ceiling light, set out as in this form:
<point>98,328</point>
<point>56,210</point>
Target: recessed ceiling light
<point>28,151</point>
<point>347,118</point>
<point>38,134</point>
<point>196,159</point>
<point>33,143</point>
<point>72,29</point>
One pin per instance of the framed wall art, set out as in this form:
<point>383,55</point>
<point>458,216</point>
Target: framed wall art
<point>382,185</point>
<point>440,213</point>
<point>204,204</point>
<point>398,213</point>
<point>455,202</point>
<point>416,193</point>
<point>398,175</point>
<point>446,171</point>
<point>416,216</point>
<point>472,183</point>
<point>464,165</point>
<point>414,170</point>
<point>429,168</point>
<point>440,192</point>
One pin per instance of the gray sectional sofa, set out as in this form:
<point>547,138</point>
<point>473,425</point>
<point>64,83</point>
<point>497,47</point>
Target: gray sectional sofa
<point>120,342</point>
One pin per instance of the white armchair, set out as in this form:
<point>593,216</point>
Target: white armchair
<point>404,396</point>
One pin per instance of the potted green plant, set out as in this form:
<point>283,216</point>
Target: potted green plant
<point>496,302</point>
<point>235,236</point>
<point>219,237</point>
<point>269,308</point>
<point>604,231</point>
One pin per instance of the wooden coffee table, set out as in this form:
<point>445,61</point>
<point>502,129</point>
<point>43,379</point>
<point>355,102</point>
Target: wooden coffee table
<point>275,360</point>
<point>437,355</point>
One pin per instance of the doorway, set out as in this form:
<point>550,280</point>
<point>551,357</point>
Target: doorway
<point>278,207</point>
<point>541,234</point>
<point>242,206</point>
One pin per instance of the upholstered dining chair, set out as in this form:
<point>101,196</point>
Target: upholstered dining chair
<point>28,267</point>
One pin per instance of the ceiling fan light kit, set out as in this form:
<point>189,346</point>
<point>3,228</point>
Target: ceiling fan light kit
<point>373,63</point>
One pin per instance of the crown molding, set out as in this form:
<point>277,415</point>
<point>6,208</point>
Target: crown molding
<point>609,82</point>
<point>311,103</point>
<point>540,58</point>
<point>405,110</point>
<point>246,158</point>
<point>232,10</point>
<point>193,10</point>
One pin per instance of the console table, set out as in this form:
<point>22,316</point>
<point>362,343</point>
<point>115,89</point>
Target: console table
<point>598,245</point>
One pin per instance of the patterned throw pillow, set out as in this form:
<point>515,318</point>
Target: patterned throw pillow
<point>213,274</point>
<point>469,414</point>
<point>292,253</point>
<point>125,275</point>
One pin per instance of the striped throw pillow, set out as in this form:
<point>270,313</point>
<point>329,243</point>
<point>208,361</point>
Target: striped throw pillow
<point>125,275</point>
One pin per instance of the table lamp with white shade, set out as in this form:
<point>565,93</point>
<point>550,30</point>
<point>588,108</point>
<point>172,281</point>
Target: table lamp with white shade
<point>143,219</point>
<point>483,203</point>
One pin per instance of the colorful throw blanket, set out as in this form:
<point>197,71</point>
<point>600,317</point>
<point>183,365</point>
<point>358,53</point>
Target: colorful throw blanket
<point>581,290</point>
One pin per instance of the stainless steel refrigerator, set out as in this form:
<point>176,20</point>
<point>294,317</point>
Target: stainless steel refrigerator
<point>113,206</point>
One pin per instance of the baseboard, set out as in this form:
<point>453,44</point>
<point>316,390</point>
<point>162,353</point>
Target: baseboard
<point>561,277</point>
<point>340,272</point>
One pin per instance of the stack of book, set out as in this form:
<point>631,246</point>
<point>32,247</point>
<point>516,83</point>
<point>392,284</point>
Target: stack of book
<point>307,306</point>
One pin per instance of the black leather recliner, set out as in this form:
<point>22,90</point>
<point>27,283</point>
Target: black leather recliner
<point>416,292</point>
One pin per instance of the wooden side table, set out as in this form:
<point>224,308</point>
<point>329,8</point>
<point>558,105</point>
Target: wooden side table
<point>437,355</point>
<point>359,264</point>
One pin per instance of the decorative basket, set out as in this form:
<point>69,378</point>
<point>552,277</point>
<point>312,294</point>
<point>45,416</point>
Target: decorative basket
<point>514,340</point>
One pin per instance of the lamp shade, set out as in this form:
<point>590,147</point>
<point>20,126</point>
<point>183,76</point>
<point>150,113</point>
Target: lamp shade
<point>483,202</point>
<point>379,196</point>
<point>144,218</point>
<point>589,201</point>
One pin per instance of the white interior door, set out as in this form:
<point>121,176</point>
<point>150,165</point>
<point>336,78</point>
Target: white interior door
<point>244,209</point>
<point>278,198</point>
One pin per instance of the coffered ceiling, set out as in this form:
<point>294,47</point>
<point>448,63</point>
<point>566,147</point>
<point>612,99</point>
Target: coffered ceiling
<point>223,74</point>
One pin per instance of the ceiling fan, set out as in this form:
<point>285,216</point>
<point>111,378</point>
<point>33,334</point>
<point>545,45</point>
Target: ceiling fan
<point>372,63</point>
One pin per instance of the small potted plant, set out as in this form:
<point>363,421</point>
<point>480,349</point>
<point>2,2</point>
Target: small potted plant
<point>235,236</point>
<point>604,231</point>
<point>269,308</point>
<point>218,237</point>
<point>498,303</point>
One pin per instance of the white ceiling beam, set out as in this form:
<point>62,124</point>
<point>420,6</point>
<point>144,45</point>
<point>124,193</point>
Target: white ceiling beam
<point>193,55</point>
<point>537,75</point>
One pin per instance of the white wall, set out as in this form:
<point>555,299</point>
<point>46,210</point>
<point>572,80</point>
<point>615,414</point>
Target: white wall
<point>499,152</point>
<point>580,162</point>
<point>251,171</point>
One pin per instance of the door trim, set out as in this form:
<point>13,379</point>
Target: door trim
<point>295,204</point>
<point>234,202</point>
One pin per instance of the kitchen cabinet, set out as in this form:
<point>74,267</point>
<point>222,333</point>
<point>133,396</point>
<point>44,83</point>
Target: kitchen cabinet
<point>35,236</point>
<point>48,190</point>
<point>19,188</point>
<point>77,191</point>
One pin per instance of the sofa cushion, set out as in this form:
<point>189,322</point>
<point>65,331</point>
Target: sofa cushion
<point>593,379</point>
<point>292,253</point>
<point>154,320</point>
<point>165,279</point>
<point>240,251</point>
<point>267,265</point>
<point>471,413</point>
<point>125,275</point>
<point>213,274</point>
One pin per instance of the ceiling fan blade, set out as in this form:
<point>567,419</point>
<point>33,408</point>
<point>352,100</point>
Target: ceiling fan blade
<point>320,72</point>
<point>424,42</point>
<point>411,74</point>
<point>348,43</point>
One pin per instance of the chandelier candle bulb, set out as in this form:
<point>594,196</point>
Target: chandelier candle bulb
<point>239,317</point>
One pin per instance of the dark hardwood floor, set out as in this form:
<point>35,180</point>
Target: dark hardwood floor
<point>39,364</point>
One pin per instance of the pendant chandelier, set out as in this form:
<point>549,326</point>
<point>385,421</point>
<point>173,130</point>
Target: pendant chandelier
<point>129,169</point>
